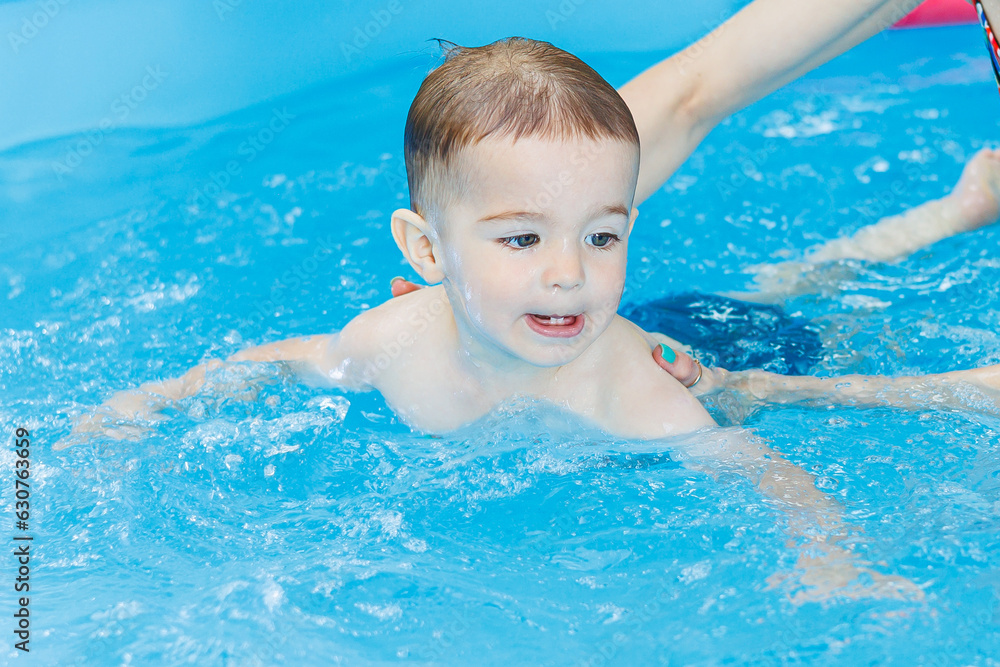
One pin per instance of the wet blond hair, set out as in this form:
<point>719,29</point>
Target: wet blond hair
<point>513,88</point>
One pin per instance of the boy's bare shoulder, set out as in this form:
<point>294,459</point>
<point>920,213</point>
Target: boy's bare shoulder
<point>400,326</point>
<point>640,394</point>
<point>403,316</point>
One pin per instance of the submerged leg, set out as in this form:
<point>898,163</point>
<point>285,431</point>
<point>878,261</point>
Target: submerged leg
<point>973,203</point>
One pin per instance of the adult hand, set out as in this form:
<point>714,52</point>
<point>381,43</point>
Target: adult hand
<point>701,380</point>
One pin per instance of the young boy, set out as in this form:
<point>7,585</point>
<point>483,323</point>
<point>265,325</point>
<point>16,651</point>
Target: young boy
<point>447,355</point>
<point>522,165</point>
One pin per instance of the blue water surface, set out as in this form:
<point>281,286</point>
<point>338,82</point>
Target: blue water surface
<point>307,526</point>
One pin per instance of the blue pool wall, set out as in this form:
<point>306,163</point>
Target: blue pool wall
<point>65,64</point>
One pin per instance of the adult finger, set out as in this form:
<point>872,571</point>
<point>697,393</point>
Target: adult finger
<point>401,286</point>
<point>678,363</point>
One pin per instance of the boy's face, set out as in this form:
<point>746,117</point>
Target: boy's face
<point>534,251</point>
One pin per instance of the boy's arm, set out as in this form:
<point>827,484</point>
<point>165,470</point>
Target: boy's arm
<point>323,355</point>
<point>301,355</point>
<point>769,43</point>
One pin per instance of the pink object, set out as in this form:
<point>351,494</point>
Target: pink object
<point>939,12</point>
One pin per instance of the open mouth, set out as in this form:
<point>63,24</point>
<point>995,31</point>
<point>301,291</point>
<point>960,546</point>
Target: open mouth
<point>556,326</point>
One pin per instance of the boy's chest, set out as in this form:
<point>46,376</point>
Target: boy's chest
<point>439,404</point>
<point>625,393</point>
<point>431,394</point>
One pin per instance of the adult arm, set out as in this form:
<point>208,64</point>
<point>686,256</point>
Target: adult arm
<point>769,43</point>
<point>976,389</point>
<point>992,8</point>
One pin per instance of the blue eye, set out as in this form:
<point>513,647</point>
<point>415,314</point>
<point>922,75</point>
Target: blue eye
<point>520,241</point>
<point>603,240</point>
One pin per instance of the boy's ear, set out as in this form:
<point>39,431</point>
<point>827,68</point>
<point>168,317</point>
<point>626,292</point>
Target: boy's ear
<point>631,219</point>
<point>414,237</point>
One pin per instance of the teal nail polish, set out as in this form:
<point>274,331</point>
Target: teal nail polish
<point>668,354</point>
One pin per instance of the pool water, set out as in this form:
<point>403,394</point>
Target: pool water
<point>308,526</point>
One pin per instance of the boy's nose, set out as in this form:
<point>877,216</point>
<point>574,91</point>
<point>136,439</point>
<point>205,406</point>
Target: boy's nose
<point>564,268</point>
